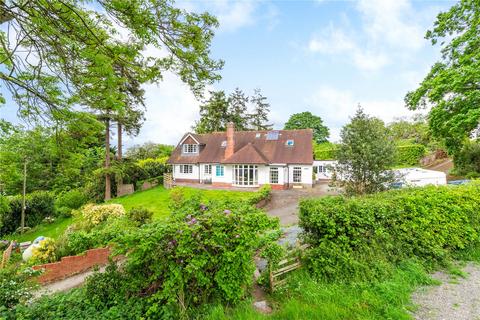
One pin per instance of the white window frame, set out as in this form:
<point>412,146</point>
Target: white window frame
<point>245,175</point>
<point>273,176</point>
<point>190,148</point>
<point>208,169</point>
<point>186,168</point>
<point>297,174</point>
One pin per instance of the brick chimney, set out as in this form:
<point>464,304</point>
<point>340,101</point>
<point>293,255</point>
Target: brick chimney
<point>230,149</point>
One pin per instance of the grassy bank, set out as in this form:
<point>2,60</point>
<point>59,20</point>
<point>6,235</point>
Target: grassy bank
<point>307,298</point>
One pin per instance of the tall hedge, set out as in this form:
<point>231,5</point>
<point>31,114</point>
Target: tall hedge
<point>38,205</point>
<point>410,154</point>
<point>361,237</point>
<point>325,151</point>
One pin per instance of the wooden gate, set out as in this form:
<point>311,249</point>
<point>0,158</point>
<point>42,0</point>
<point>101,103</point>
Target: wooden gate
<point>168,182</point>
<point>291,262</point>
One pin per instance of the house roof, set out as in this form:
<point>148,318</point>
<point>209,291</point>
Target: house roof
<point>251,147</point>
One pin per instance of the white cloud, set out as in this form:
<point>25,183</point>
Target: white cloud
<point>331,41</point>
<point>336,107</point>
<point>392,21</point>
<point>390,30</point>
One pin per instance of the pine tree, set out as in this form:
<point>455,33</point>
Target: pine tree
<point>259,118</point>
<point>214,114</point>
<point>237,109</point>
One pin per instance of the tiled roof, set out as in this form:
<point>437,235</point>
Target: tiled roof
<point>250,147</point>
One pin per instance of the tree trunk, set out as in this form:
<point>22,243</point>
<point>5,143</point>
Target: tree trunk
<point>119,153</point>
<point>22,217</point>
<point>108,186</point>
<point>119,144</point>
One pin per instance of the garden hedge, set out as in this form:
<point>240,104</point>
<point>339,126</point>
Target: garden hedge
<point>39,205</point>
<point>410,154</point>
<point>362,237</point>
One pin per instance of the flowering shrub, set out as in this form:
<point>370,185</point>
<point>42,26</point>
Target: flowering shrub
<point>15,287</point>
<point>93,215</point>
<point>45,252</point>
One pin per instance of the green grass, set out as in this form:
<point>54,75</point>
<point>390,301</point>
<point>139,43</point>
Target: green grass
<point>306,298</point>
<point>51,230</point>
<point>158,199</point>
<point>155,199</point>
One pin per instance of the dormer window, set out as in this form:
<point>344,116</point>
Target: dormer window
<point>190,148</point>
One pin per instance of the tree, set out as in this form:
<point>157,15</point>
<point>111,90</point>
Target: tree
<point>149,150</point>
<point>237,111</point>
<point>45,47</point>
<point>214,114</point>
<point>306,120</point>
<point>261,108</point>
<point>364,156</point>
<point>79,58</point>
<point>414,130</point>
<point>452,88</point>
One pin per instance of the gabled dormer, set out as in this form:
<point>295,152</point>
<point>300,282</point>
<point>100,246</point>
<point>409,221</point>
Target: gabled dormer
<point>190,145</point>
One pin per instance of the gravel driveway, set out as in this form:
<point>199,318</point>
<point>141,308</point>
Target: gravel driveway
<point>454,299</point>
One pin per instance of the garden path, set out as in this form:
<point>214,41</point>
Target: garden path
<point>65,284</point>
<point>455,298</point>
<point>284,203</point>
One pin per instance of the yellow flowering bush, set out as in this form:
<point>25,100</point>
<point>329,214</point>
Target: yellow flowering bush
<point>45,252</point>
<point>93,215</point>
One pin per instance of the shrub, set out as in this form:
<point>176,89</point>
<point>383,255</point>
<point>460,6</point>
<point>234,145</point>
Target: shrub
<point>93,215</point>
<point>361,237</point>
<point>325,151</point>
<point>195,258</point>
<point>45,252</point>
<point>410,154</point>
<point>467,160</point>
<point>39,205</point>
<point>15,287</point>
<point>263,193</point>
<point>4,211</point>
<point>72,199</point>
<point>140,215</point>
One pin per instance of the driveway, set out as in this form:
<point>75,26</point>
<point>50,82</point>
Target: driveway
<point>284,203</point>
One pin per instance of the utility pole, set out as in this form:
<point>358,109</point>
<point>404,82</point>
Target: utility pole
<point>22,222</point>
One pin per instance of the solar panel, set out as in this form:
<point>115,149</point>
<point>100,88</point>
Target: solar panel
<point>272,135</point>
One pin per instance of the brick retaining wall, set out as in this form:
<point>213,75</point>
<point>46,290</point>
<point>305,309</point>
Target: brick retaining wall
<point>71,265</point>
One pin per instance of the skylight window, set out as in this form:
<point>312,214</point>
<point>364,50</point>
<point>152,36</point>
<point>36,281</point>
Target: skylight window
<point>258,135</point>
<point>290,143</point>
<point>224,143</point>
<point>272,135</point>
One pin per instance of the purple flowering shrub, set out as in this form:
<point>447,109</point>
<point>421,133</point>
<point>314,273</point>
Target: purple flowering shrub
<point>202,255</point>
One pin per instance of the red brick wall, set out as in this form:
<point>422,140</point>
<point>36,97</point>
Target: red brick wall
<point>187,180</point>
<point>278,186</point>
<point>222,184</point>
<point>71,265</point>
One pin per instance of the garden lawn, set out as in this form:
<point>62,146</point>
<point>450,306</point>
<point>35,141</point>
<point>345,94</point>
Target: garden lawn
<point>158,199</point>
<point>51,230</point>
<point>155,199</point>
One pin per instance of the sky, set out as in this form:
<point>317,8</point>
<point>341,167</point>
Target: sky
<point>322,56</point>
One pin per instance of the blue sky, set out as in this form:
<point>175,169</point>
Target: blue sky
<point>322,56</point>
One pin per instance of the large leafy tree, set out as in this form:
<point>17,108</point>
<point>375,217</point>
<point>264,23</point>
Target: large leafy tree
<point>59,53</point>
<point>306,120</point>
<point>364,156</point>
<point>452,87</point>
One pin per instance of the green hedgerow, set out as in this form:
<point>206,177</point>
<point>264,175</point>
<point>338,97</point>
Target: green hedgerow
<point>361,237</point>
